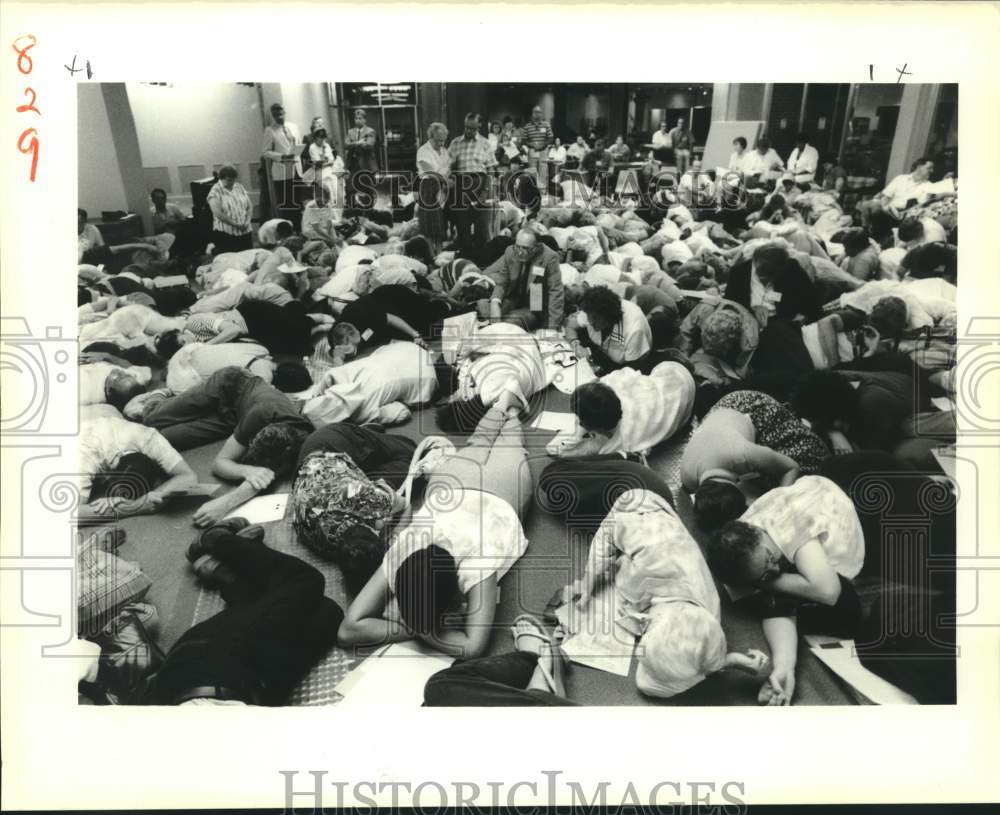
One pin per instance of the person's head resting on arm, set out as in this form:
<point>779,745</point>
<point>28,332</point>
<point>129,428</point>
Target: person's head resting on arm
<point>884,328</point>
<point>597,407</point>
<point>276,447</point>
<point>769,262</point>
<point>344,339</point>
<point>427,589</point>
<point>120,387</point>
<point>742,555</point>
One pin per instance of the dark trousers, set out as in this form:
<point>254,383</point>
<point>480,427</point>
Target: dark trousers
<point>378,454</point>
<point>231,243</point>
<point>499,681</point>
<point>276,625</point>
<point>843,619</point>
<point>202,414</point>
<point>585,489</point>
<point>781,359</point>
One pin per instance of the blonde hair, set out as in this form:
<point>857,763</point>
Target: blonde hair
<point>683,644</point>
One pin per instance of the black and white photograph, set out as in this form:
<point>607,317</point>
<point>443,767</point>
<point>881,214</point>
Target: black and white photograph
<point>497,389</point>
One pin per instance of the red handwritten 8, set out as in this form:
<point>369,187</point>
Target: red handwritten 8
<point>25,65</point>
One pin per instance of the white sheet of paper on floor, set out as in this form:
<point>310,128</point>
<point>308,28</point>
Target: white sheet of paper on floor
<point>558,422</point>
<point>598,641</point>
<point>262,509</point>
<point>395,676</point>
<point>453,331</point>
<point>839,657</point>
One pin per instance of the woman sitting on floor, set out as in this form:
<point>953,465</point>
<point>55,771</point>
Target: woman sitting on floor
<point>498,360</point>
<point>627,412</point>
<point>664,595</point>
<point>457,548</point>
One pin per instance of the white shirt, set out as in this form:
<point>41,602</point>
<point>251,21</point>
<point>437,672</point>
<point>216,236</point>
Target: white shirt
<point>767,166</point>
<point>104,441</point>
<point>661,140</point>
<point>352,255</point>
<point>577,151</point>
<point>278,140</point>
<point>803,166</point>
<point>628,341</point>
<point>903,188</point>
<point>738,161</point>
<point>93,375</point>
<point>376,387</point>
<point>557,154</point>
<point>197,361</point>
<point>430,160</point>
<point>314,216</point>
<point>268,232</point>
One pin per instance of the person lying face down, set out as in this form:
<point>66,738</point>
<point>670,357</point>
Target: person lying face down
<point>793,554</point>
<point>455,550</point>
<point>127,469</point>
<point>664,593</point>
<point>385,313</point>
<point>627,412</point>
<point>499,361</point>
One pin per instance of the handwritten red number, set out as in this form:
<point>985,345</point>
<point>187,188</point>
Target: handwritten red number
<point>32,148</point>
<point>31,104</point>
<point>22,53</point>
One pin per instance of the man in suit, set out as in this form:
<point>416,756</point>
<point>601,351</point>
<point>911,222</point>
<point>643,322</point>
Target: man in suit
<point>282,148</point>
<point>361,159</point>
<point>774,287</point>
<point>529,290</point>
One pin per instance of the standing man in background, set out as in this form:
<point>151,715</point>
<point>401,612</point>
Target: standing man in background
<point>538,137</point>
<point>682,141</point>
<point>472,166</point>
<point>283,148</point>
<point>361,158</point>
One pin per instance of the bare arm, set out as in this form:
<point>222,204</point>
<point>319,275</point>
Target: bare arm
<point>816,581</point>
<point>474,636</point>
<point>783,641</point>
<point>364,623</point>
<point>767,461</point>
<point>228,333</point>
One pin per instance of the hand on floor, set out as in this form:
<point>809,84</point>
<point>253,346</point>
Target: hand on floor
<point>779,688</point>
<point>211,512</point>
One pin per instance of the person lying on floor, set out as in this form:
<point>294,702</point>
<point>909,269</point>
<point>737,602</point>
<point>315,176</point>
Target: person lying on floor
<point>127,469</point>
<point>378,387</point>
<point>614,333</point>
<point>792,555</point>
<point>664,595</point>
<point>745,434</point>
<point>128,324</point>
<point>225,265</point>
<point>345,495</point>
<point>529,676</point>
<point>627,412</point>
<point>448,561</point>
<point>277,624</point>
<point>287,329</point>
<point>501,360</point>
<point>720,337</point>
<point>265,430</point>
<point>112,384</point>
<point>228,299</point>
<point>391,312</point>
<point>191,364</point>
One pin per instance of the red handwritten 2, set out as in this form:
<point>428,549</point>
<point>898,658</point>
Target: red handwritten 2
<point>25,66</point>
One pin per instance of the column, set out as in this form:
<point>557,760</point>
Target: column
<point>126,144</point>
<point>913,128</point>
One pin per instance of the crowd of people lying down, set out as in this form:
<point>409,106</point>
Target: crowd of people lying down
<point>798,343</point>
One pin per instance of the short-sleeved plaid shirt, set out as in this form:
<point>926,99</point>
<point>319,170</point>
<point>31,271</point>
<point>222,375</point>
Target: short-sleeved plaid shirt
<point>471,155</point>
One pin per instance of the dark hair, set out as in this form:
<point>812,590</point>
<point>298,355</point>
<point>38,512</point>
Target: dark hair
<point>690,274</point>
<point>730,550</point>
<point>470,117</point>
<point>168,343</point>
<point>663,325</point>
<point>716,502</point>
<point>855,241</point>
<point>228,171</point>
<point>134,475</point>
<point>603,302</point>
<point>359,554</point>
<point>771,257</point>
<point>81,213</point>
<point>426,588</point>
<point>551,243</point>
<point>291,377</point>
<point>802,136</point>
<point>911,229</point>
<point>118,396</point>
<point>276,446</point>
<point>764,142</point>
<point>461,415</point>
<point>507,119</point>
<point>823,397</point>
<point>419,248</point>
<point>742,142</point>
<point>284,230</point>
<point>888,317</point>
<point>155,190</point>
<point>597,407</point>
<point>920,162</point>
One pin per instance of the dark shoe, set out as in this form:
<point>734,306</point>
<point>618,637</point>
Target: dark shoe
<point>213,572</point>
<point>230,526</point>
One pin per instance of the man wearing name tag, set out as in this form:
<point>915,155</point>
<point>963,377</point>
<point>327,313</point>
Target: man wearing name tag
<point>529,290</point>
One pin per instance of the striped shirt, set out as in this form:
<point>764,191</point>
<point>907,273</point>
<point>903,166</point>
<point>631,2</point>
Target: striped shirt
<point>537,136</point>
<point>235,205</point>
<point>471,155</point>
<point>207,326</point>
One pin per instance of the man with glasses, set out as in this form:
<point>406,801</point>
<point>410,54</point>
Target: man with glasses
<point>529,289</point>
<point>283,147</point>
<point>791,558</point>
<point>472,165</point>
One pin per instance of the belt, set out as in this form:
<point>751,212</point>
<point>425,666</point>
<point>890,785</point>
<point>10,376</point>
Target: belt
<point>213,692</point>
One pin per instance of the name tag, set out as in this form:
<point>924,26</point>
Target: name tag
<point>535,288</point>
<point>538,272</point>
<point>773,296</point>
<point>366,334</point>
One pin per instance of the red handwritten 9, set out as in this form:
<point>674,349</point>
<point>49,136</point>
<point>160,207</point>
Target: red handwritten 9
<point>27,142</point>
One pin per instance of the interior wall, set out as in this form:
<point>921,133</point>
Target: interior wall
<point>197,124</point>
<point>750,102</point>
<point>305,100</point>
<point>99,178</point>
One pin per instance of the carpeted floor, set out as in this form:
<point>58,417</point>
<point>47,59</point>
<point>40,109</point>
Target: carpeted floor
<point>157,543</point>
